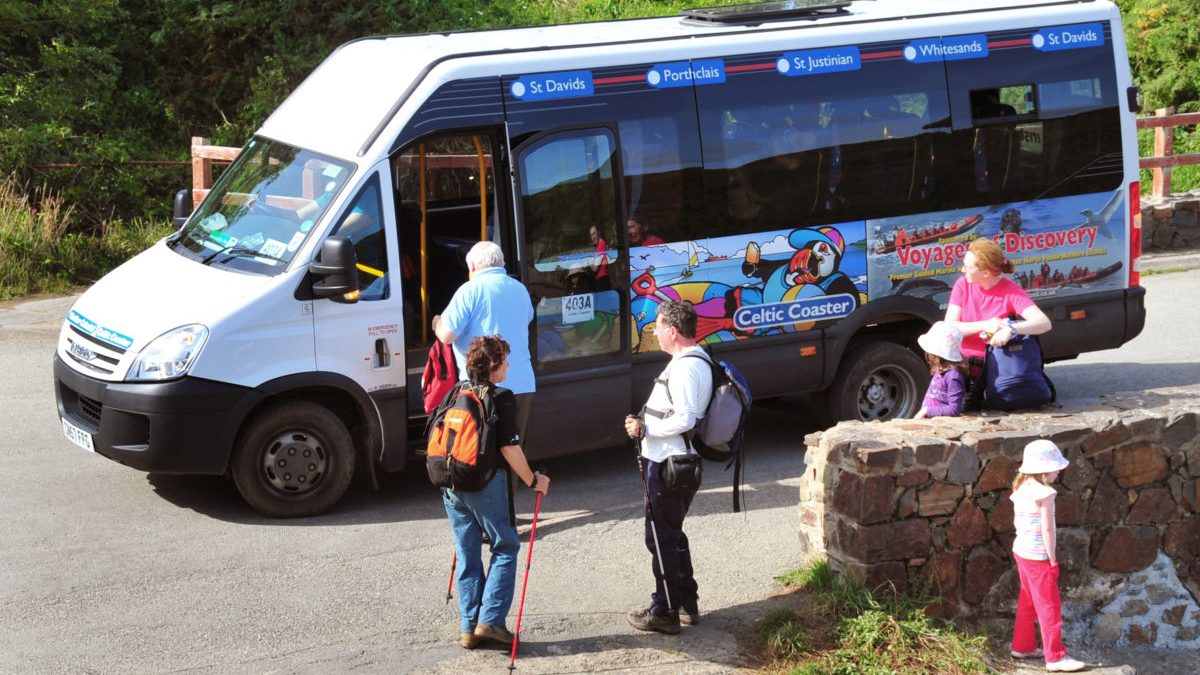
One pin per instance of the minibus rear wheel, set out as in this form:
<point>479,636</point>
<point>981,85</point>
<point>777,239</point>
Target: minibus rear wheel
<point>293,459</point>
<point>878,380</point>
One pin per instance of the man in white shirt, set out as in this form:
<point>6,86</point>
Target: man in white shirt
<point>678,400</point>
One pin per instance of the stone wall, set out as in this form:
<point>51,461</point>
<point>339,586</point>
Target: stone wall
<point>928,499</point>
<point>1172,223</point>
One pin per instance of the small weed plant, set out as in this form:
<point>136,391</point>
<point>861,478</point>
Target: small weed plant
<point>857,631</point>
<point>39,255</point>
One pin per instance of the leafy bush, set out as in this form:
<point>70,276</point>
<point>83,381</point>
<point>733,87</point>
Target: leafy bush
<point>39,255</point>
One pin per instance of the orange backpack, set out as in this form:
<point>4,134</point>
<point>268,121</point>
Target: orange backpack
<point>461,452</point>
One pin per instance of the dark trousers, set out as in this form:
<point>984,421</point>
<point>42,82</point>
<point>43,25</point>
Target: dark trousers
<point>524,406</point>
<point>976,383</point>
<point>669,511</point>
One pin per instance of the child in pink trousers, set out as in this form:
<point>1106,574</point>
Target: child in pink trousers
<point>1037,560</point>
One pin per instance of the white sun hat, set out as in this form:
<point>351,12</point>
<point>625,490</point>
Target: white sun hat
<point>942,340</point>
<point>1043,456</point>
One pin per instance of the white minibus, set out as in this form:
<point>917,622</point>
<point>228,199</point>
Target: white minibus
<point>808,174</point>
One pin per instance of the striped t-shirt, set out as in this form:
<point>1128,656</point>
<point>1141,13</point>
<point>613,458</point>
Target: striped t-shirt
<point>1027,518</point>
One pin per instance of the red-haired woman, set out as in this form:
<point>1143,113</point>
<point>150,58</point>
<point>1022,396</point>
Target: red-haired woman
<point>986,305</point>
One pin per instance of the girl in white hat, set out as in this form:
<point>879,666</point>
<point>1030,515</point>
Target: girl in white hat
<point>948,381</point>
<point>1037,562</point>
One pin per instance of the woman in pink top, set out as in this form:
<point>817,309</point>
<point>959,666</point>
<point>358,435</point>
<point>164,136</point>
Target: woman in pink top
<point>1037,559</point>
<point>981,303</point>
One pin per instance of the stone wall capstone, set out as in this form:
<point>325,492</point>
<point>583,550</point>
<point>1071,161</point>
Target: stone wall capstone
<point>907,500</point>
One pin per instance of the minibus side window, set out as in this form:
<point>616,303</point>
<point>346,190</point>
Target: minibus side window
<point>783,152</point>
<point>663,198</point>
<point>570,211</point>
<point>362,223</point>
<point>1034,124</point>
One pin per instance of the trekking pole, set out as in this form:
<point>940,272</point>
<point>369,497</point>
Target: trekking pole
<point>537,507</point>
<point>450,586</point>
<point>662,570</point>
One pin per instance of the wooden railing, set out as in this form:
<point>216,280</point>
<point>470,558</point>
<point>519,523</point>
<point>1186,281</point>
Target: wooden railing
<point>1164,122</point>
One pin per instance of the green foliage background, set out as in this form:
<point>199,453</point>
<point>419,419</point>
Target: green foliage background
<point>99,82</point>
<point>96,83</point>
<point>1164,52</point>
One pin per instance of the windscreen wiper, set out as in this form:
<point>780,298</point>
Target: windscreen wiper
<point>233,251</point>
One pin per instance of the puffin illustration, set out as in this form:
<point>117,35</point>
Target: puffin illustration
<point>812,271</point>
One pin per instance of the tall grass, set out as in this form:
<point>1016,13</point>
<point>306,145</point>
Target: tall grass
<point>39,255</point>
<point>874,633</point>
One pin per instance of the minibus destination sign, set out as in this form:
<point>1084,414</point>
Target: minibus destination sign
<point>796,311</point>
<point>818,61</point>
<point>947,49</point>
<point>686,73</point>
<point>1058,38</point>
<point>547,86</point>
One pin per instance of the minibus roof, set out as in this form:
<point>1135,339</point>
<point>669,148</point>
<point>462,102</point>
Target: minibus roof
<point>342,104</point>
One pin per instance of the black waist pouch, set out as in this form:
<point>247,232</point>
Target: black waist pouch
<point>681,473</point>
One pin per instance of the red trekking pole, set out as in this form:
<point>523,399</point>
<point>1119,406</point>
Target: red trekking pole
<point>450,586</point>
<point>537,507</point>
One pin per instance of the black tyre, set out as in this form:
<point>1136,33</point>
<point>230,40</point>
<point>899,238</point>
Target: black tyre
<point>878,380</point>
<point>293,459</point>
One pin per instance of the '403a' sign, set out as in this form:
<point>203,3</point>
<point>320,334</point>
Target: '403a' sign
<point>577,308</point>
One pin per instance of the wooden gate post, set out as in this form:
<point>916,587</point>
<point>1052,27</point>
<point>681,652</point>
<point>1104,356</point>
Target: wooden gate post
<point>1164,139</point>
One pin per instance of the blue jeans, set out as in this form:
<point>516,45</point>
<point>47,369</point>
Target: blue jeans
<point>483,599</point>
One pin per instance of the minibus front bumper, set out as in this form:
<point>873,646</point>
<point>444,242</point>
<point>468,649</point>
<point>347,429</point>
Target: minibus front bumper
<point>184,426</point>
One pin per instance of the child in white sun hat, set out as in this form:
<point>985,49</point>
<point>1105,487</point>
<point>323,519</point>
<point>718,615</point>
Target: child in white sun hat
<point>948,372</point>
<point>1037,560</point>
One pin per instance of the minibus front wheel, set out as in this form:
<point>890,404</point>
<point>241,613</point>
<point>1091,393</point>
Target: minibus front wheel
<point>293,459</point>
<point>878,380</point>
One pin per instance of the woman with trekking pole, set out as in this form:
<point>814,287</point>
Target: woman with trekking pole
<point>484,600</point>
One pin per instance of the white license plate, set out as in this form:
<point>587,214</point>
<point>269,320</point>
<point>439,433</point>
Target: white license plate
<point>78,436</point>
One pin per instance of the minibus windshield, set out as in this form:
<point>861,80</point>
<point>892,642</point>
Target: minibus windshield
<point>262,208</point>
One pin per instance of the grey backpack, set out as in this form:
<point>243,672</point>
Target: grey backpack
<point>720,434</point>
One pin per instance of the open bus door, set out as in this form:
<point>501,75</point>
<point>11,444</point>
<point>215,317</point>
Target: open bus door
<point>567,184</point>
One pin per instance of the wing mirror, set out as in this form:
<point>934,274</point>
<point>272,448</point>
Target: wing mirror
<point>337,267</point>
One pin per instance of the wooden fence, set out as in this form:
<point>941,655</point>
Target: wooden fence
<point>203,158</point>
<point>1164,122</point>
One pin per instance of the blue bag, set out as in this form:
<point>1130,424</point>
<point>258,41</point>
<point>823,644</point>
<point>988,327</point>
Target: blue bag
<point>1016,375</point>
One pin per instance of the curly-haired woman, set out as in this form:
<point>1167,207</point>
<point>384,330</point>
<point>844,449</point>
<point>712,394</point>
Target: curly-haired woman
<point>484,600</point>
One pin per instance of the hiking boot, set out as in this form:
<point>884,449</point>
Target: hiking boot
<point>487,632</point>
<point>644,619</point>
<point>1035,654</point>
<point>1065,665</point>
<point>468,640</point>
<point>689,615</point>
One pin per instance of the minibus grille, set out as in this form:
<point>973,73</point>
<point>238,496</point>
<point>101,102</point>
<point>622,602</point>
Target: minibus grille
<point>92,354</point>
<point>90,366</point>
<point>101,343</point>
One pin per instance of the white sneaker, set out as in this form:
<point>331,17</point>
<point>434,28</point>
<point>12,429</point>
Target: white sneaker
<point>1065,665</point>
<point>1035,654</point>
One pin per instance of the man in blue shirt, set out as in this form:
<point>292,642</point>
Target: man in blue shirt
<point>492,303</point>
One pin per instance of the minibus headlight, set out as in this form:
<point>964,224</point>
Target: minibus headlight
<point>170,354</point>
